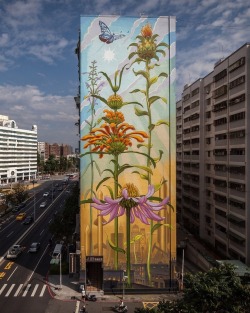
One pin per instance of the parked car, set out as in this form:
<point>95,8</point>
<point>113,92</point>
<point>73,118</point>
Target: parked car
<point>21,216</point>
<point>43,204</point>
<point>28,220</point>
<point>46,194</point>
<point>35,246</point>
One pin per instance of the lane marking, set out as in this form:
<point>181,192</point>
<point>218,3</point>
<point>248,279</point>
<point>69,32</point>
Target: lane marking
<point>43,290</point>
<point>26,290</point>
<point>41,232</point>
<point>2,289</point>
<point>10,234</point>
<point>9,291</point>
<point>18,290</point>
<point>34,290</point>
<point>12,273</point>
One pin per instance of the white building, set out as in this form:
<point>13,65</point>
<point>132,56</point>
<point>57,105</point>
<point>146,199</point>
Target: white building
<point>18,152</point>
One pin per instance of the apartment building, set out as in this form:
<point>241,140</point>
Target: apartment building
<point>213,156</point>
<point>18,152</point>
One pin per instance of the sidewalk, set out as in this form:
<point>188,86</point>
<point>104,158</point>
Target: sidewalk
<point>69,292</point>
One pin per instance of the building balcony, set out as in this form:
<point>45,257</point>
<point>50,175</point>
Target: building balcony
<point>237,193</point>
<point>221,219</point>
<point>220,234</point>
<point>238,229</point>
<point>220,143</point>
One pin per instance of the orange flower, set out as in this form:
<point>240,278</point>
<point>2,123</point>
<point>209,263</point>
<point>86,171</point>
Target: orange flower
<point>146,31</point>
<point>113,117</point>
<point>112,138</point>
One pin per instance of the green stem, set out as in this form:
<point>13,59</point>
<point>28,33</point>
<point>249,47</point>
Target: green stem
<point>148,165</point>
<point>116,219</point>
<point>128,269</point>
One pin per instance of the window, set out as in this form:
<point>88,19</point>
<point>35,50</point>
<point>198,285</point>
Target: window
<point>237,117</point>
<point>220,167</point>
<point>237,82</point>
<point>237,186</point>
<point>220,183</point>
<point>237,204</point>
<point>195,104</point>
<point>195,91</point>
<point>186,97</point>
<point>236,64</point>
<point>208,114</point>
<point>237,151</point>
<point>220,106</point>
<point>237,134</point>
<point>220,91</point>
<point>237,170</point>
<point>186,109</point>
<point>221,137</point>
<point>220,121</point>
<point>220,75</point>
<point>220,152</point>
<point>194,116</point>
<point>238,99</point>
<point>208,127</point>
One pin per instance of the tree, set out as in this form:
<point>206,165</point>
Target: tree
<point>217,291</point>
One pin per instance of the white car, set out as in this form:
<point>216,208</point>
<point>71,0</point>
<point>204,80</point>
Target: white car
<point>35,246</point>
<point>43,204</point>
<point>46,194</point>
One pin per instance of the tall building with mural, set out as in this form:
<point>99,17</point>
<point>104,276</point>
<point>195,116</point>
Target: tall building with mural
<point>128,150</point>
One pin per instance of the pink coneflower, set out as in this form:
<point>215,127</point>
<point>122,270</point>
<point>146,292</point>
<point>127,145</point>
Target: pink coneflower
<point>139,206</point>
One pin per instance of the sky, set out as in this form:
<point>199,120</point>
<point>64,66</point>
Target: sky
<point>39,67</point>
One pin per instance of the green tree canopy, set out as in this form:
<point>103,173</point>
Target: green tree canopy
<point>217,291</point>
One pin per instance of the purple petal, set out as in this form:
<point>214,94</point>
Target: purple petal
<point>151,191</point>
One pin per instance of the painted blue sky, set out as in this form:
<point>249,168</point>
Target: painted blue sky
<point>38,65</point>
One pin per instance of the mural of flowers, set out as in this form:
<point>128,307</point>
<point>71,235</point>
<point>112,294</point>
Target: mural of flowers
<point>130,149</point>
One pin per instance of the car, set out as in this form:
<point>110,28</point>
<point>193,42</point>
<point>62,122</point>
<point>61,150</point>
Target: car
<point>28,220</point>
<point>34,247</point>
<point>46,194</point>
<point>60,189</point>
<point>18,207</point>
<point>21,216</point>
<point>43,204</point>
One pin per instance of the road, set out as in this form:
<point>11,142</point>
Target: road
<point>22,281</point>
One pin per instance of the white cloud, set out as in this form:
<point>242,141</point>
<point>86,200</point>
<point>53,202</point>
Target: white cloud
<point>27,105</point>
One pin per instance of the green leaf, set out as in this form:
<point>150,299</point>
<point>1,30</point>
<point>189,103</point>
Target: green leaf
<point>108,170</point>
<point>139,112</point>
<point>120,78</point>
<point>161,122</point>
<point>134,102</point>
<point>84,172</point>
<point>143,73</point>
<point>153,80</point>
<point>142,176</point>
<point>141,153</point>
<point>139,37</point>
<point>155,36</point>
<point>143,145</point>
<point>152,99</point>
<point>156,57</point>
<point>131,55</point>
<point>145,168</point>
<point>123,168</point>
<point>163,75</point>
<point>110,191</point>
<point>102,181</point>
<point>159,157</point>
<point>133,44</point>
<point>101,98</point>
<point>86,201</point>
<point>108,79</point>
<point>138,90</point>
<point>163,44</point>
<point>117,249</point>
<point>136,238</point>
<point>156,226</point>
<point>97,167</point>
<point>151,127</point>
<point>162,52</point>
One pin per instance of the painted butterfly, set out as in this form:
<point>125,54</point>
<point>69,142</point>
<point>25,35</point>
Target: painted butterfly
<point>106,35</point>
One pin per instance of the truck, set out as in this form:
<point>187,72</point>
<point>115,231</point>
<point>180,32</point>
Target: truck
<point>14,252</point>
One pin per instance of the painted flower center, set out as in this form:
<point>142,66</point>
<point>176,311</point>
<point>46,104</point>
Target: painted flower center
<point>132,193</point>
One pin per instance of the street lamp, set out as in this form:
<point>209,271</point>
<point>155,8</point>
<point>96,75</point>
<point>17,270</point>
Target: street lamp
<point>60,271</point>
<point>34,196</point>
<point>123,281</point>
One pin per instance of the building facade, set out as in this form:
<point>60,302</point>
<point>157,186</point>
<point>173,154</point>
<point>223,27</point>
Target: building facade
<point>18,152</point>
<point>213,149</point>
<point>127,100</point>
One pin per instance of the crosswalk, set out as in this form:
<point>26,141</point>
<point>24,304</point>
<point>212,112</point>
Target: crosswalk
<point>21,290</point>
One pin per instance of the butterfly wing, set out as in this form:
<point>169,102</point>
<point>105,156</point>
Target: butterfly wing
<point>105,35</point>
